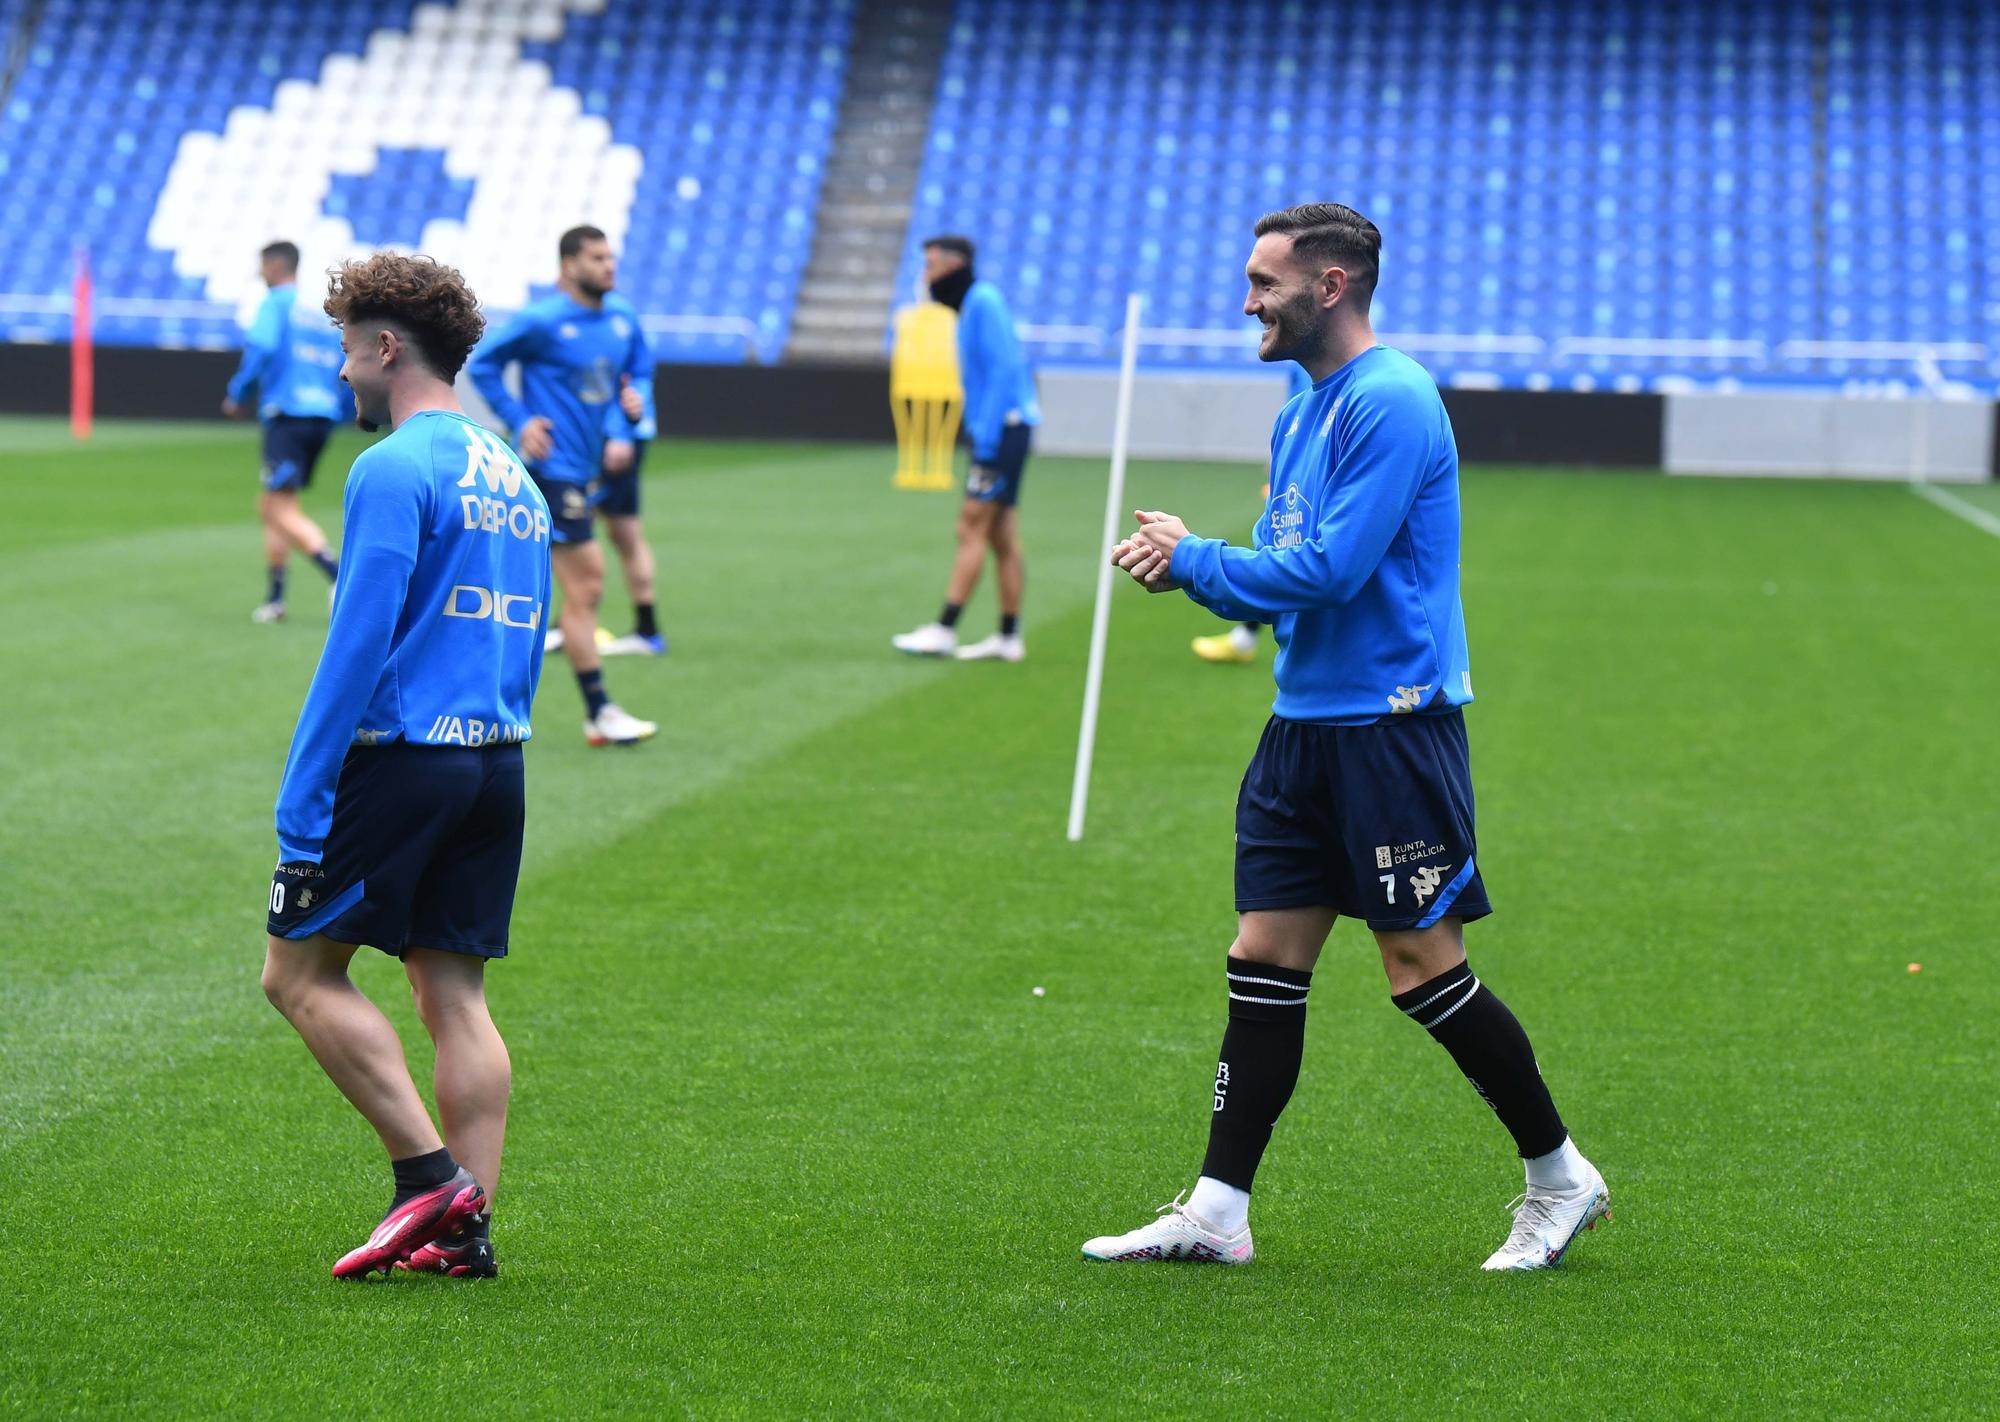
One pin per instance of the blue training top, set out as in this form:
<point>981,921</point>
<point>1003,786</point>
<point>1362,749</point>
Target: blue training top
<point>292,354</point>
<point>436,636</point>
<point>1356,563</point>
<point>999,386</point>
<point>571,358</point>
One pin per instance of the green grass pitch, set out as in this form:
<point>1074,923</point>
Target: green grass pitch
<point>792,1137</point>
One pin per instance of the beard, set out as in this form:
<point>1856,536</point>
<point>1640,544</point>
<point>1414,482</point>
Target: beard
<point>1297,331</point>
<point>592,288</point>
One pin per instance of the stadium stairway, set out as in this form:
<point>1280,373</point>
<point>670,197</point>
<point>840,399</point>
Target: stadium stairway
<point>870,179</point>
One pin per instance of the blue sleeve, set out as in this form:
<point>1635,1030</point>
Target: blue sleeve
<point>519,339</point>
<point>981,346</point>
<point>639,366</point>
<point>384,523</point>
<point>1385,445</point>
<point>260,343</point>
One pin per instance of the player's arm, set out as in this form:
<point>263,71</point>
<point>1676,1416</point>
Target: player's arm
<point>630,416</point>
<point>1385,444</point>
<point>384,519</point>
<point>519,339</point>
<point>260,343</point>
<point>985,398</point>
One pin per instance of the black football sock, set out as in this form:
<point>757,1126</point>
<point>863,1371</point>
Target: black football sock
<point>326,563</point>
<point>418,1173</point>
<point>1493,1052</point>
<point>1010,624</point>
<point>644,624</point>
<point>591,684</point>
<point>1258,1067</point>
<point>275,592</point>
<point>949,617</point>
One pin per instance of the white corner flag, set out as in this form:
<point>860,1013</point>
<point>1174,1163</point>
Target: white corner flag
<point>1100,622</point>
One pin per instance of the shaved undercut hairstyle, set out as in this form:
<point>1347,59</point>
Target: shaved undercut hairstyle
<point>1325,234</point>
<point>571,242</point>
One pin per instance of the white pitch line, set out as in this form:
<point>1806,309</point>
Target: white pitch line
<point>1952,504</point>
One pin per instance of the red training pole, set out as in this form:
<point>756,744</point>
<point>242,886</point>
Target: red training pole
<point>82,361</point>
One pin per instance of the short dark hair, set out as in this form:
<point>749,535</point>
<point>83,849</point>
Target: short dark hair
<point>1330,235</point>
<point>951,242</point>
<point>424,299</point>
<point>571,242</point>
<point>286,252</point>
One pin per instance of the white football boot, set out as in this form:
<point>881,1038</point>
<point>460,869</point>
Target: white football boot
<point>998,648</point>
<point>615,726</point>
<point>933,639</point>
<point>268,612</point>
<point>1179,1233</point>
<point>553,642</point>
<point>1547,1222</point>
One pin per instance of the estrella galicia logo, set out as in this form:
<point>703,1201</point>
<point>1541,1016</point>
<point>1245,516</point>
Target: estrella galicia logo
<point>1291,515</point>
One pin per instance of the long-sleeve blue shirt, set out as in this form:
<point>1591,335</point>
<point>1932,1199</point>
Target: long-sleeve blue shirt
<point>291,353</point>
<point>571,359</point>
<point>1356,563</point>
<point>999,386</point>
<point>438,614</point>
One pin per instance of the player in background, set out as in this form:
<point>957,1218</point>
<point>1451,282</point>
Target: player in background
<point>1000,414</point>
<point>291,355</point>
<point>1238,645</point>
<point>1359,798</point>
<point>581,356</point>
<point>400,814</point>
<point>618,506</point>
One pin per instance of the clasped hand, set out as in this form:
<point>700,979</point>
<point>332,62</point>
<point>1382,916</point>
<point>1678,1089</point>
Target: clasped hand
<point>1149,553</point>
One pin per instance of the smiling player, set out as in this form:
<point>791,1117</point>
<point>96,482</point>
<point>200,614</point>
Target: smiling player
<point>1359,798</point>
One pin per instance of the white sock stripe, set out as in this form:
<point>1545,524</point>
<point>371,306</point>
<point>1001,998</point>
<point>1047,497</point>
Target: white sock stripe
<point>1415,1008</point>
<point>1266,982</point>
<point>1454,1007</point>
<point>1268,1001</point>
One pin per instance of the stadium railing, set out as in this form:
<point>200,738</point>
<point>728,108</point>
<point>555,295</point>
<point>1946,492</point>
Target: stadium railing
<point>57,308</point>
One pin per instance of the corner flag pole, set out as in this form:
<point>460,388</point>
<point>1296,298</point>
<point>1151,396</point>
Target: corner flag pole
<point>1100,622</point>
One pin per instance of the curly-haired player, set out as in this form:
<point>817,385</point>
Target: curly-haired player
<point>399,819</point>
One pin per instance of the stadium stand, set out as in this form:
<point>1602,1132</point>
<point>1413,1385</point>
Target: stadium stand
<point>1598,193</point>
<point>478,130</point>
<point>1588,193</point>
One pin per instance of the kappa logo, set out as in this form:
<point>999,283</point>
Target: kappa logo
<point>1407,699</point>
<point>486,458</point>
<point>305,898</point>
<point>366,737</point>
<point>1326,430</point>
<point>1426,880</point>
<point>1295,426</point>
<point>621,326</point>
<point>567,330</point>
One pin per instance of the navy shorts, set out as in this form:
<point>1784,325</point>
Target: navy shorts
<point>1374,822</point>
<point>424,852</point>
<point>999,482</point>
<point>292,445</point>
<point>570,508</point>
<point>618,494</point>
